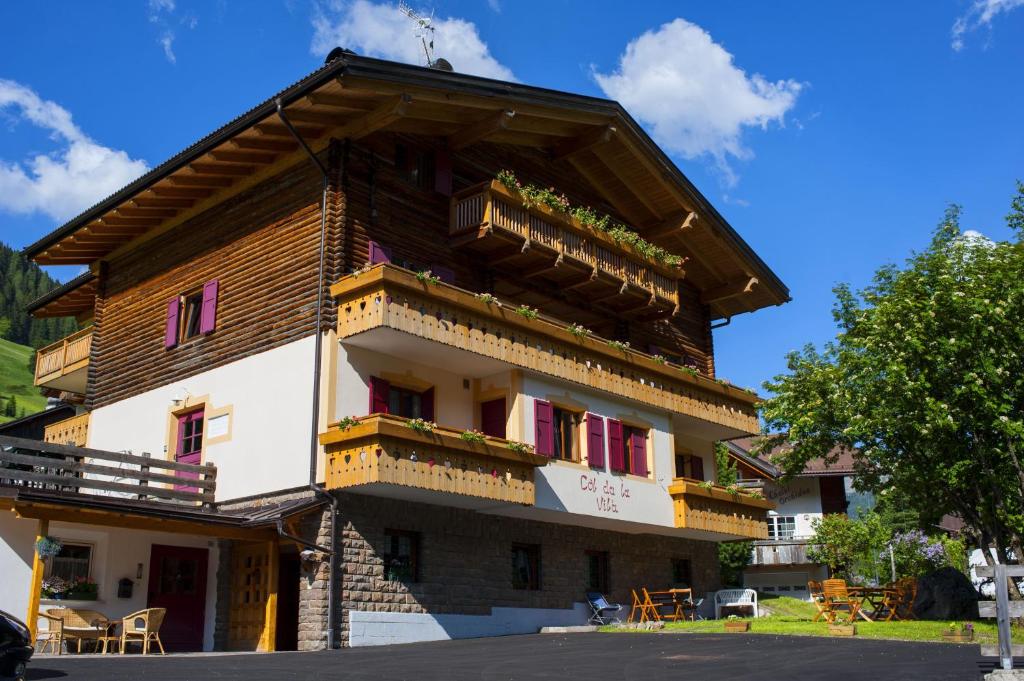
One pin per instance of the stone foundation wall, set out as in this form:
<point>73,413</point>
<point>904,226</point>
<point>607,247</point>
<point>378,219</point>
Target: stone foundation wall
<point>465,564</point>
<point>315,527</point>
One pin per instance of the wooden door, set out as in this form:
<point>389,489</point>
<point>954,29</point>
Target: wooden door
<point>189,448</point>
<point>177,581</point>
<point>254,581</point>
<point>492,417</point>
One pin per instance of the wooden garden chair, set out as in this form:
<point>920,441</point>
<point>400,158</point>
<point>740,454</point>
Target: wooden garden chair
<point>53,635</point>
<point>639,608</point>
<point>818,598</point>
<point>149,631</point>
<point>837,599</point>
<point>904,603</point>
<point>657,601</point>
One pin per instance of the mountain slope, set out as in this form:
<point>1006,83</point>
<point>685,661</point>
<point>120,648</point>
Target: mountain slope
<point>21,282</point>
<point>16,381</point>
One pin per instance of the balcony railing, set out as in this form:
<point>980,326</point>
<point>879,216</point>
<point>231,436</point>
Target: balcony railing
<point>785,552</point>
<point>383,450</point>
<point>72,431</point>
<point>716,509</point>
<point>389,297</point>
<point>64,364</point>
<point>493,221</point>
<point>35,465</point>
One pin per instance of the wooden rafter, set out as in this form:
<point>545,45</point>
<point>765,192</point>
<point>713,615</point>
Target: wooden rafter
<point>636,189</point>
<point>677,225</point>
<point>624,209</point>
<point>481,129</point>
<point>240,156</point>
<point>145,201</point>
<point>182,192</point>
<point>588,140</point>
<point>264,144</point>
<point>200,181</point>
<point>381,117</point>
<point>345,102</point>
<point>732,289</point>
<point>275,129</point>
<point>132,211</point>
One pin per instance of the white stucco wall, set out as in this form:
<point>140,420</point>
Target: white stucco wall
<point>268,401</point>
<point>117,553</point>
<point>800,498</point>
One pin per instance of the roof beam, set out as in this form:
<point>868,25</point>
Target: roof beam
<point>263,144</point>
<point>476,132</point>
<point>638,191</point>
<point>627,211</point>
<point>232,169</point>
<point>732,289</point>
<point>200,181</point>
<point>131,222</point>
<point>145,201</point>
<point>678,224</point>
<point>346,102</point>
<point>587,140</point>
<point>381,117</point>
<point>131,211</point>
<point>273,129</point>
<point>182,192</point>
<point>236,156</point>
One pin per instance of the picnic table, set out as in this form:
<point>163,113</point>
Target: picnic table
<point>656,606</point>
<point>878,599</point>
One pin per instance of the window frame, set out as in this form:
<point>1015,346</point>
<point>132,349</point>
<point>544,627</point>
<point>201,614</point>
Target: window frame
<point>400,393</point>
<point>393,538</point>
<point>603,564</point>
<point>64,544</point>
<point>775,522</point>
<point>189,301</point>
<point>558,415</point>
<point>533,555</point>
<point>682,567</point>
<point>627,445</point>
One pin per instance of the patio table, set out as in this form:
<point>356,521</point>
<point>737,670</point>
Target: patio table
<point>877,598</point>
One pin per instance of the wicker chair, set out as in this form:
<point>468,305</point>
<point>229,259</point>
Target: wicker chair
<point>53,635</point>
<point>150,619</point>
<point>81,625</point>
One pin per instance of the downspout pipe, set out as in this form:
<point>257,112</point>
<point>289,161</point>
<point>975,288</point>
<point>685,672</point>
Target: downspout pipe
<point>314,449</point>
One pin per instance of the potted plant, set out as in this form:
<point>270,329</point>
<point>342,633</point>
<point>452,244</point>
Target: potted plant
<point>54,588</point>
<point>959,632</point>
<point>82,589</point>
<point>734,625</point>
<point>842,628</point>
<point>48,547</point>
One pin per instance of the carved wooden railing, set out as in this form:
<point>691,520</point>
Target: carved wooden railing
<point>492,205</point>
<point>72,431</point>
<point>53,467</point>
<point>716,509</point>
<point>383,449</point>
<point>64,356</point>
<point>387,296</point>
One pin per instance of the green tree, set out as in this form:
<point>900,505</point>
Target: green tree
<point>733,558</point>
<point>12,406</point>
<point>726,467</point>
<point>925,381</point>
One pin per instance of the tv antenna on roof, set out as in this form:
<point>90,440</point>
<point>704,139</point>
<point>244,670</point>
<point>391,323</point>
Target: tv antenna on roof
<point>424,29</point>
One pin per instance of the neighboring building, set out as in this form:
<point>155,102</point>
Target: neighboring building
<point>779,563</point>
<point>211,344</point>
<point>34,426</point>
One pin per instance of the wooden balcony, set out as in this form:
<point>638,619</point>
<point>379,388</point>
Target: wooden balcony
<point>787,552</point>
<point>383,455</point>
<point>64,365</point>
<point>539,242</point>
<point>72,431</point>
<point>387,301</point>
<point>719,510</point>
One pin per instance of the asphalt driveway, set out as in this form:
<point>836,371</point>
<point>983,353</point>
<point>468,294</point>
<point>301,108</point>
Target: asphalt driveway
<point>640,657</point>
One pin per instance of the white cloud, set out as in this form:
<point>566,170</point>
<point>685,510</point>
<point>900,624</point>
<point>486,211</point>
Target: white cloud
<point>161,13</point>
<point>380,30</point>
<point>75,176</point>
<point>695,101</point>
<point>167,42</point>
<point>495,5</point>
<point>980,14</point>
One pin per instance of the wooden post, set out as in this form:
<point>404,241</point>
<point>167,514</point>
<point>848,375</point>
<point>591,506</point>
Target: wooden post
<point>36,585</point>
<point>1003,617</point>
<point>268,639</point>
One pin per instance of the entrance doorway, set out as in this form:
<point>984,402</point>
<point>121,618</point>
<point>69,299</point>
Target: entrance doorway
<point>290,572</point>
<point>177,582</point>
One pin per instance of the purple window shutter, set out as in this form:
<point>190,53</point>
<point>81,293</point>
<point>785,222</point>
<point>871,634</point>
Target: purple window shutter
<point>443,273</point>
<point>544,419</point>
<point>616,452</point>
<point>443,172</point>
<point>595,441</point>
<point>379,393</point>
<point>638,449</point>
<point>378,253</point>
<point>696,468</point>
<point>171,329</point>
<point>208,314</point>
<point>427,405</point>
<point>492,417</point>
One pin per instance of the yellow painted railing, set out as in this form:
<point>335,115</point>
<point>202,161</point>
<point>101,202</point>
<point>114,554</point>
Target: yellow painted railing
<point>716,509</point>
<point>492,205</point>
<point>66,355</point>
<point>384,450</point>
<point>387,296</point>
<point>72,431</point>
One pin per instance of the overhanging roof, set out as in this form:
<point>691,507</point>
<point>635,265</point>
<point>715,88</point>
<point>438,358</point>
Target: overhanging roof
<point>77,296</point>
<point>353,96</point>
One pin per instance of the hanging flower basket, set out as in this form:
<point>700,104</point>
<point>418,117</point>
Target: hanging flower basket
<point>48,547</point>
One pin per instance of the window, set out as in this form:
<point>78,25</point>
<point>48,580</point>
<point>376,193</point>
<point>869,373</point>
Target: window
<point>400,401</point>
<point>628,450</point>
<point>682,572</point>
<point>689,466</point>
<point>190,436</point>
<point>401,556</point>
<point>526,567</point>
<point>781,527</point>
<point>405,402</point>
<point>191,315</point>
<point>597,571</point>
<point>415,166</point>
<point>566,426</point>
<point>74,561</point>
<point>193,311</point>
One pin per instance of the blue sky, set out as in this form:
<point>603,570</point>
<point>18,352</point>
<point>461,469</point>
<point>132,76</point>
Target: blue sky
<point>831,135</point>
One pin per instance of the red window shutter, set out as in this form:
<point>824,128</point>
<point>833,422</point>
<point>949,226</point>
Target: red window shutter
<point>638,449</point>
<point>696,468</point>
<point>427,405</point>
<point>492,417</point>
<point>208,313</point>
<point>171,329</point>
<point>544,420</point>
<point>378,253</point>
<point>443,172</point>
<point>616,452</point>
<point>595,441</point>
<point>379,392</point>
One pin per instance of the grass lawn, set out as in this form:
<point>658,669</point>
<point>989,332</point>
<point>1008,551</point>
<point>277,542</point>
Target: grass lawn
<point>792,617</point>
<point>16,379</point>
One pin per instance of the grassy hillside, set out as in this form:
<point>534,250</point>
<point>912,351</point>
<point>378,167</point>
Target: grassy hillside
<point>16,380</point>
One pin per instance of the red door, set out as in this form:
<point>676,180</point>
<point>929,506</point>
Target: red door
<point>190,444</point>
<point>492,417</point>
<point>177,581</point>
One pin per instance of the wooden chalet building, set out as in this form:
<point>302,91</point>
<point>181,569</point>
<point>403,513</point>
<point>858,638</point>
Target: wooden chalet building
<point>341,386</point>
